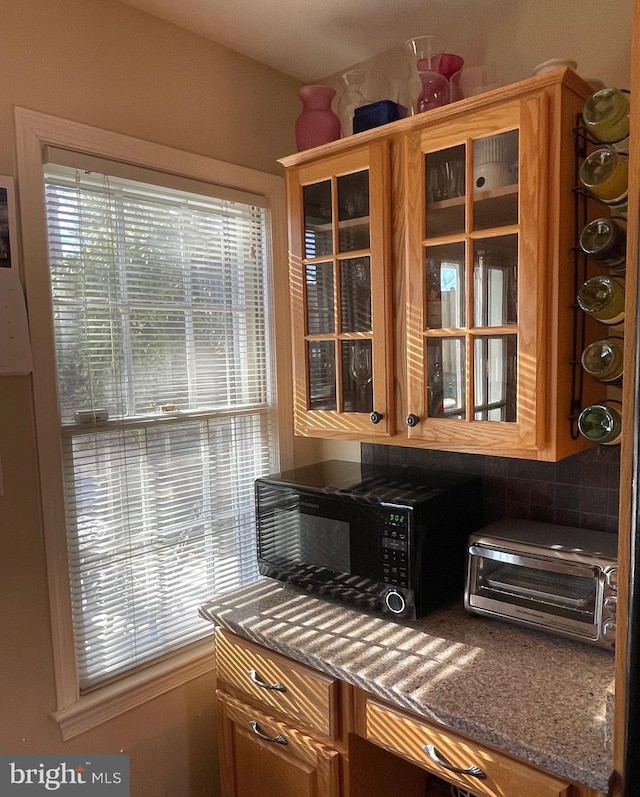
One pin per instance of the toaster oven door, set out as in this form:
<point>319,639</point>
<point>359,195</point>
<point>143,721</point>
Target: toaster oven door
<point>552,593</point>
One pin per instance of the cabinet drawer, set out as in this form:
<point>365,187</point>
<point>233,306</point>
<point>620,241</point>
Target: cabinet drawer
<point>498,775</point>
<point>260,754</point>
<point>307,696</point>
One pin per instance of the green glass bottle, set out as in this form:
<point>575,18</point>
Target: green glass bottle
<point>603,298</point>
<point>603,359</point>
<point>605,240</point>
<point>606,115</point>
<point>601,423</point>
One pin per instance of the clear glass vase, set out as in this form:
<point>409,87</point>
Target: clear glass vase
<point>352,97</point>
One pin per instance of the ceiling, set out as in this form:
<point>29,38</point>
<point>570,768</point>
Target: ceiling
<point>309,39</point>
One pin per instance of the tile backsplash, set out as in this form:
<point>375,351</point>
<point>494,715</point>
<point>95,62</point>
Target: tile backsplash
<point>581,490</point>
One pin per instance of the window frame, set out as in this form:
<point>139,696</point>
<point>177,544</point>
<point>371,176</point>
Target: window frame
<point>35,132</point>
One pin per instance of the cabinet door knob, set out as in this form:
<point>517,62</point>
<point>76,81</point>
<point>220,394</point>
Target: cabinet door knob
<point>412,420</point>
<point>278,687</point>
<point>279,739</point>
<point>434,755</point>
<point>376,417</point>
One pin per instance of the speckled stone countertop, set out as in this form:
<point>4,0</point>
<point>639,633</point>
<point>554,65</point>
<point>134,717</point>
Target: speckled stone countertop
<point>538,697</point>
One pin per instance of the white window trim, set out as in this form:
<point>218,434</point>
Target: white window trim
<point>34,132</point>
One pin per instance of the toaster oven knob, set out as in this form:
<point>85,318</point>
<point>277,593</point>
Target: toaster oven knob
<point>395,602</point>
<point>612,577</point>
<point>611,602</point>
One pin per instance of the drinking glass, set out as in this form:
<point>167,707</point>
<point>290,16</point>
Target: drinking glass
<point>360,370</point>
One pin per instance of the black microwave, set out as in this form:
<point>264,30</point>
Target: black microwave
<point>389,541</point>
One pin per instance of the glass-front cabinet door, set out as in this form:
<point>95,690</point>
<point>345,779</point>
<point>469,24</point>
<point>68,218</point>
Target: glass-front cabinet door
<point>340,280</point>
<point>474,294</point>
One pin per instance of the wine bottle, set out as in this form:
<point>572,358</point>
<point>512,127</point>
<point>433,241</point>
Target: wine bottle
<point>603,298</point>
<point>603,359</point>
<point>605,173</point>
<point>601,423</point>
<point>605,240</point>
<point>606,115</point>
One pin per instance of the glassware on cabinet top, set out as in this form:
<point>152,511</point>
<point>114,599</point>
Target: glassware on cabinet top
<point>317,123</point>
<point>353,96</point>
<point>472,80</point>
<point>450,64</point>
<point>434,91</point>
<point>425,51</point>
<point>554,63</point>
<point>428,87</point>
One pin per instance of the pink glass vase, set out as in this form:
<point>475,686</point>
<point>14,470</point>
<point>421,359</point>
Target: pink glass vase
<point>317,124</point>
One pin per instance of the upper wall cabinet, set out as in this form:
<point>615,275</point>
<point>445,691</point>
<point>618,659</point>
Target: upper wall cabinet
<point>444,243</point>
<point>339,275</point>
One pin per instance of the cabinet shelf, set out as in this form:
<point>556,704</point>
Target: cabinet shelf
<point>494,208</point>
<point>478,196</point>
<point>327,226</point>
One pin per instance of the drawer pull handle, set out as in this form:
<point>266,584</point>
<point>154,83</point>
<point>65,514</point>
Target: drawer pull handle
<point>279,739</point>
<point>434,755</point>
<point>278,687</point>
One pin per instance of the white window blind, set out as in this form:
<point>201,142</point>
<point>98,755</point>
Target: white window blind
<point>161,326</point>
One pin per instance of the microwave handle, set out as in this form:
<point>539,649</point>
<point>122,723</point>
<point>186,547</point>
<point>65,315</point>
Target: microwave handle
<point>537,563</point>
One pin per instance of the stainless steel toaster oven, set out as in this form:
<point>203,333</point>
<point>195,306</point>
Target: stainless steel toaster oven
<point>556,578</point>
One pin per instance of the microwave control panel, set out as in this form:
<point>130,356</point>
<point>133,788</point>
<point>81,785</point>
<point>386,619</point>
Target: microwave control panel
<point>395,546</point>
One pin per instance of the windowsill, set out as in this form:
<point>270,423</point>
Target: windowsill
<point>134,690</point>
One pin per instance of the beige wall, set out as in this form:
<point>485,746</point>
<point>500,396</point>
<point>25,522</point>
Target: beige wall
<point>105,64</point>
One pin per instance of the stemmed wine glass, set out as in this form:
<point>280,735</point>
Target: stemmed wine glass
<point>360,370</point>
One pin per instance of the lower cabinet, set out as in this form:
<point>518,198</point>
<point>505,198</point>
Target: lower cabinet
<point>287,730</point>
<point>261,756</point>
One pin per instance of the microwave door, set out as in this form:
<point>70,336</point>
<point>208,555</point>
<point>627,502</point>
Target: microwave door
<point>316,541</point>
<point>521,583</point>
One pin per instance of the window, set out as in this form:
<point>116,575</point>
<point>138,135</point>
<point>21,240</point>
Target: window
<point>151,313</point>
<point>159,310</point>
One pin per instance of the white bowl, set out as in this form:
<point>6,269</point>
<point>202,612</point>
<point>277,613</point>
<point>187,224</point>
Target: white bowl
<point>492,175</point>
<point>554,63</point>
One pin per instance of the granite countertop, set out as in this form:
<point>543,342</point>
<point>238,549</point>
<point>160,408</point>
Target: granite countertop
<point>538,697</point>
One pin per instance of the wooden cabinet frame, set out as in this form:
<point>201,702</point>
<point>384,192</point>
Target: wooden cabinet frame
<point>373,157</point>
<point>544,109</point>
